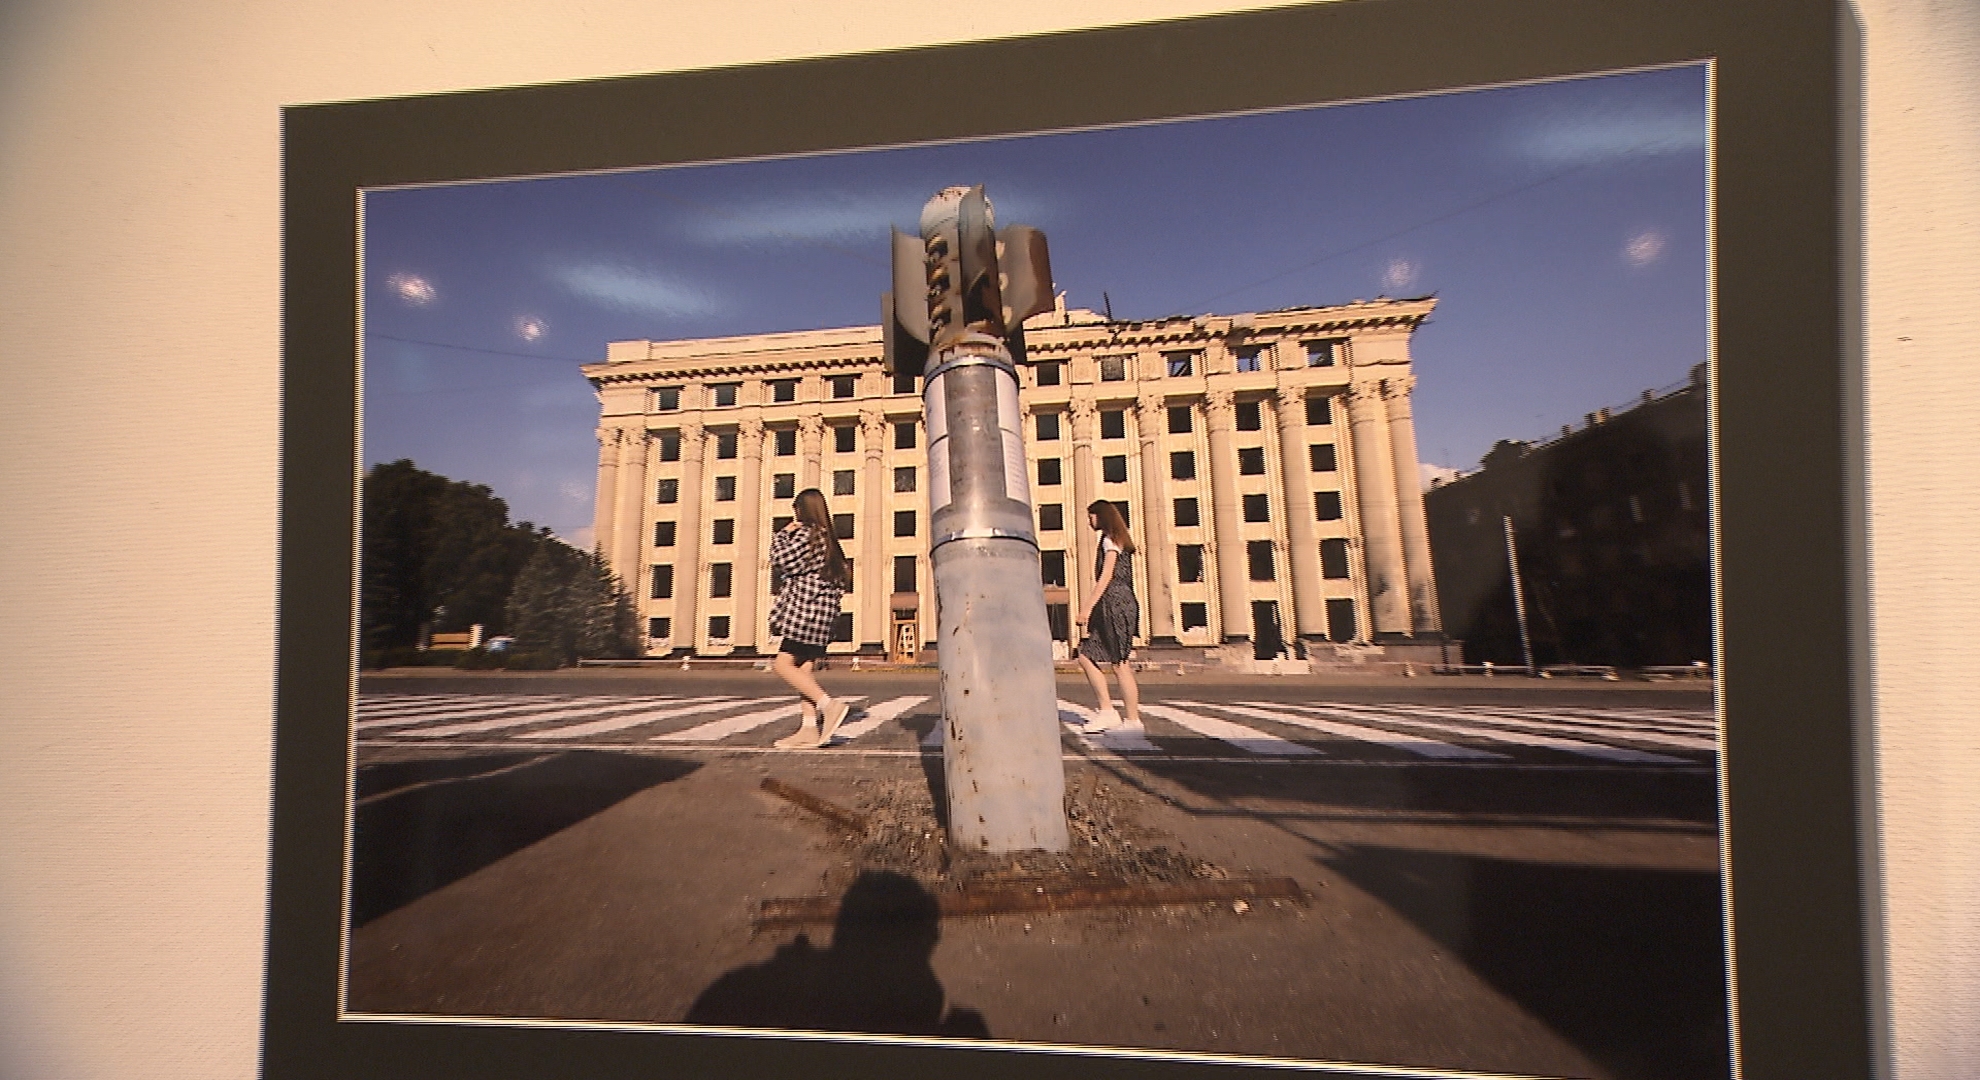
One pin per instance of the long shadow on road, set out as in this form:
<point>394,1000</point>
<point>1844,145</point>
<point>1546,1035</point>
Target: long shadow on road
<point>424,825</point>
<point>1628,964</point>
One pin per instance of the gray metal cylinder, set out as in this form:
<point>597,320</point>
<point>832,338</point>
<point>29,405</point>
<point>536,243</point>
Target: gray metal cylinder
<point>1000,744</point>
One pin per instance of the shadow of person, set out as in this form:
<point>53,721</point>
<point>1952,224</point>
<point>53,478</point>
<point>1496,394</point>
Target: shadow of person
<point>874,978</point>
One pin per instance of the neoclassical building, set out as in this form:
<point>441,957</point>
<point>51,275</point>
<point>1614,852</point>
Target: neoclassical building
<point>1266,461</point>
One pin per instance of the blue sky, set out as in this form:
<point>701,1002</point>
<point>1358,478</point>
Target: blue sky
<point>1561,225</point>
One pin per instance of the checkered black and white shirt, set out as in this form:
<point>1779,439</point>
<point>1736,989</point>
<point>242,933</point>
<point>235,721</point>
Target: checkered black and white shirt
<point>809,605</point>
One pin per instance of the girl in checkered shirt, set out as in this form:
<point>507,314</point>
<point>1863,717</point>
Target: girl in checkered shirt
<point>815,579</point>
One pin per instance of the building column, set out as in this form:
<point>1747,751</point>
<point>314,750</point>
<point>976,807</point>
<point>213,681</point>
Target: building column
<point>1085,542</point>
<point>811,444</point>
<point>1233,576</point>
<point>687,569</point>
<point>605,503</point>
<point>876,582</point>
<point>1375,495</point>
<point>1424,617</point>
<point>1151,420</point>
<point>1309,607</point>
<point>750,547</point>
<point>630,518</point>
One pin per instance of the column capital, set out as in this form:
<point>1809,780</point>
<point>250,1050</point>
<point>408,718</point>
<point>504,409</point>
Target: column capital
<point>872,423</point>
<point>1151,404</point>
<point>1363,392</point>
<point>1291,398</point>
<point>1082,410</point>
<point>1400,386</point>
<point>749,432</point>
<point>811,426</point>
<point>608,437</point>
<point>692,434</point>
<point>1221,405</point>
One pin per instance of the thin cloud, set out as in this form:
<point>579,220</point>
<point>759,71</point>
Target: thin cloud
<point>1400,274</point>
<point>1644,248</point>
<point>635,289</point>
<point>851,220</point>
<point>1586,140</point>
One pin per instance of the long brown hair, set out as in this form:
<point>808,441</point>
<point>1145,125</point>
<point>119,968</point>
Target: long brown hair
<point>811,511</point>
<point>1112,524</point>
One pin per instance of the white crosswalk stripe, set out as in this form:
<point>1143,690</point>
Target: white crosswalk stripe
<point>606,726</point>
<point>440,712</point>
<point>1554,722</point>
<point>1607,720</point>
<point>1414,744</point>
<point>587,707</point>
<point>879,715</point>
<point>1244,738</point>
<point>1123,740</point>
<point>1463,726</point>
<point>735,725</point>
<point>404,703</point>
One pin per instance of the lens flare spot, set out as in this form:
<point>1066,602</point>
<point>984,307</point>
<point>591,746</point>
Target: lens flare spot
<point>412,288</point>
<point>1644,248</point>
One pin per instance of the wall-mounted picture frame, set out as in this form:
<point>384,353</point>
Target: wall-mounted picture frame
<point>1798,985</point>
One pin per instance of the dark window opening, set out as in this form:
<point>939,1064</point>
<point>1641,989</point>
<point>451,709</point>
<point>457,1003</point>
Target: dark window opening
<point>1052,568</point>
<point>718,627</point>
<point>1189,563</point>
<point>724,531</point>
<point>1048,472</point>
<point>1113,469</point>
<point>1182,465</point>
<point>1195,616</point>
<point>1257,508</point>
<point>1259,554</point>
<point>842,526</point>
<point>662,587</point>
<point>903,523</point>
<point>842,482</point>
<point>1181,421</point>
<point>1321,456</point>
<point>904,478</point>
<point>663,534</point>
<point>1251,461</point>
<point>1113,424</point>
<point>725,489</point>
<point>1250,417</point>
<point>1187,513</point>
<point>1051,517</point>
<point>1334,558</point>
<point>721,579</point>
<point>783,485</point>
<point>1327,505</point>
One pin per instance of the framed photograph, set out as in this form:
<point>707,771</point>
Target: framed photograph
<point>1431,415</point>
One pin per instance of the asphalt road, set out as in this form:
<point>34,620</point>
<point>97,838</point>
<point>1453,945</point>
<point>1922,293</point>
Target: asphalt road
<point>1514,877</point>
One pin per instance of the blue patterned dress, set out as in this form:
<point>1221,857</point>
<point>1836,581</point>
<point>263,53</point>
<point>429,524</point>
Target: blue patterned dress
<point>1110,628</point>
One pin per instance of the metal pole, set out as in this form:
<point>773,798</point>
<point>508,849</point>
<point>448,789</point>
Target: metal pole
<point>1000,735</point>
<point>1519,596</point>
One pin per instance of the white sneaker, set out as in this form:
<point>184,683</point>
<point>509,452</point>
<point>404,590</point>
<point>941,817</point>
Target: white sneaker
<point>834,715</point>
<point>1105,720</point>
<point>804,738</point>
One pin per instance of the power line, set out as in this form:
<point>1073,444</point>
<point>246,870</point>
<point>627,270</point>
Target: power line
<point>478,349</point>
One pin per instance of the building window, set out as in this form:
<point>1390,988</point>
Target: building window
<point>721,579</point>
<point>1195,616</point>
<point>1259,554</point>
<point>659,627</point>
<point>1251,461</point>
<point>1251,358</point>
<point>1048,374</point>
<point>904,435</point>
<point>1249,416</point>
<point>1127,516</point>
<point>718,628</point>
<point>725,445</point>
<point>670,446</point>
<point>1113,369</point>
<point>1048,472</point>
<point>843,439</point>
<point>1052,517</point>
<point>783,390</point>
<point>904,573</point>
<point>1321,455</point>
<point>1052,568</point>
<point>843,385</point>
<point>662,587</point>
<point>1327,505</point>
<point>1187,513</point>
<point>1257,508</point>
<point>1180,420</point>
<point>903,383</point>
<point>1113,424</point>
<point>725,394</point>
<point>783,485</point>
<point>842,526</point>
<point>1340,619</point>
<point>1113,469</point>
<point>1189,563</point>
<point>903,523</point>
<point>842,627</point>
<point>1182,465</point>
<point>777,523</point>
<point>1333,558</point>
<point>667,399</point>
<point>724,531</point>
<point>1048,426</point>
<point>1319,411</point>
<point>1181,364</point>
<point>786,442</point>
<point>1321,353</point>
<point>663,534</point>
<point>842,482</point>
<point>904,478</point>
<point>725,489</point>
<point>669,491</point>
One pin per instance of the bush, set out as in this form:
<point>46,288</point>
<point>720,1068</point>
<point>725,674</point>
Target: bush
<point>534,661</point>
<point>480,660</point>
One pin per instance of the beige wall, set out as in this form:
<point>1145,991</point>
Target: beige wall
<point>138,207</point>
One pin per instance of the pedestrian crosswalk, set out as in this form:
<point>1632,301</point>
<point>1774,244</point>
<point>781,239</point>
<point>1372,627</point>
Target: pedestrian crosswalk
<point>1263,731</point>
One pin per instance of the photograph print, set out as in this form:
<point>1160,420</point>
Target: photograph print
<point>1236,588</point>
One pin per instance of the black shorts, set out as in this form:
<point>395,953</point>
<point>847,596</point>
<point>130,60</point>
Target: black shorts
<point>802,652</point>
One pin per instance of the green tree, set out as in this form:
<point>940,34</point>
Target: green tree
<point>568,602</point>
<point>435,551</point>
